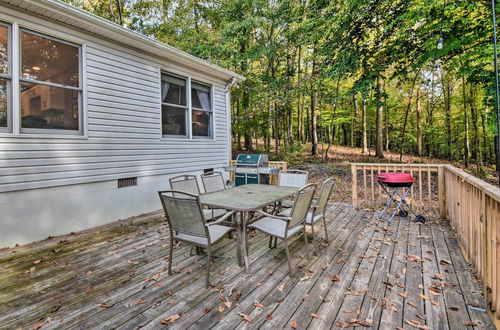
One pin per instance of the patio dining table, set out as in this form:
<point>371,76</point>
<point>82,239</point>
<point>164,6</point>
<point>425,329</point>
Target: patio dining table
<point>243,200</point>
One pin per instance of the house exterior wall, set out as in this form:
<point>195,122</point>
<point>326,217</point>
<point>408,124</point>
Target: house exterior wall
<point>55,184</point>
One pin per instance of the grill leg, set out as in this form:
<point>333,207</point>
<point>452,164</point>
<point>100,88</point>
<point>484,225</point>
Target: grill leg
<point>391,199</point>
<point>400,203</point>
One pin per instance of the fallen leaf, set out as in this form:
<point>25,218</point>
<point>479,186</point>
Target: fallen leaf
<point>245,317</point>
<point>294,324</point>
<point>170,319</point>
<point>221,308</point>
<point>207,310</point>
<point>335,278</point>
<point>89,273</point>
<point>316,316</point>
<point>471,324</point>
<point>412,304</point>
<point>37,325</point>
<point>259,306</point>
<point>269,317</point>
<point>37,261</point>
<point>153,277</point>
<point>403,294</point>
<point>424,297</point>
<point>139,302</point>
<point>454,309</point>
<point>444,262</point>
<point>281,287</point>
<point>104,306</point>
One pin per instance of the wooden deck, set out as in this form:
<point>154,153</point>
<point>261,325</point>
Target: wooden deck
<point>371,274</point>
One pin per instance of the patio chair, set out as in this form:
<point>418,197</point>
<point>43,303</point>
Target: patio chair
<point>283,227</point>
<point>292,178</point>
<point>317,211</point>
<point>187,183</point>
<point>213,181</point>
<point>187,223</point>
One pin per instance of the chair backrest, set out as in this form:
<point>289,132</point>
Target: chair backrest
<point>213,181</point>
<point>301,204</point>
<point>184,212</point>
<point>324,195</point>
<point>185,183</point>
<point>293,178</point>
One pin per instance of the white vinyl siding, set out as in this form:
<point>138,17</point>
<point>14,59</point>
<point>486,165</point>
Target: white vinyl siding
<point>124,136</point>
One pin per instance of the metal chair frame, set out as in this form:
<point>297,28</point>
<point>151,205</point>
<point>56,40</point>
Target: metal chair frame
<point>174,232</point>
<point>320,209</point>
<point>297,218</point>
<point>211,175</point>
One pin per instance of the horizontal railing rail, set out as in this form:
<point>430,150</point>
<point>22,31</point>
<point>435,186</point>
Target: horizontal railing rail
<point>470,204</point>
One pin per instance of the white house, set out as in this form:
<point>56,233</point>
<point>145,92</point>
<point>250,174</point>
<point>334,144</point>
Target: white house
<point>95,118</point>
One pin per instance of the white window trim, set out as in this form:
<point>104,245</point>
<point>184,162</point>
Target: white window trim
<point>189,136</point>
<point>15,100</point>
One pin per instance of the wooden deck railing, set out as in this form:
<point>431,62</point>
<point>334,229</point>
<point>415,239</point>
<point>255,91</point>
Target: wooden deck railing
<point>426,194</point>
<point>471,205</point>
<point>273,179</point>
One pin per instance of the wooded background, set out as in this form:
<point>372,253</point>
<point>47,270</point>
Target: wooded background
<point>342,72</point>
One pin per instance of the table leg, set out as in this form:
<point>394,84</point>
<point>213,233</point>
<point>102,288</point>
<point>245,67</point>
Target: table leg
<point>239,240</point>
<point>245,218</point>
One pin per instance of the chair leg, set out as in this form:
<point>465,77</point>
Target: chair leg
<point>307,243</point>
<point>209,252</point>
<point>326,230</point>
<point>288,255</point>
<point>171,254</point>
<point>275,242</point>
<point>270,242</point>
<point>314,240</point>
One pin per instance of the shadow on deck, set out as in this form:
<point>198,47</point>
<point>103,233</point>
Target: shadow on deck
<point>372,274</point>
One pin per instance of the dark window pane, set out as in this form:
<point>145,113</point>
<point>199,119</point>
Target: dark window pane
<point>3,102</point>
<point>173,120</point>
<point>48,107</point>
<point>4,43</point>
<point>200,97</point>
<point>201,123</point>
<point>173,90</point>
<point>48,60</point>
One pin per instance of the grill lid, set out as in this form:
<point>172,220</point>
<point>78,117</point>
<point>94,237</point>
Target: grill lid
<point>252,160</point>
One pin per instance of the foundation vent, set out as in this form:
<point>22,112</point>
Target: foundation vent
<point>127,182</point>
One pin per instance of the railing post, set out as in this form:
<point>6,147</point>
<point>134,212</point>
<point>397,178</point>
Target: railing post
<point>354,173</point>
<point>442,192</point>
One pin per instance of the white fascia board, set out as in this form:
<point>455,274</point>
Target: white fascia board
<point>126,36</point>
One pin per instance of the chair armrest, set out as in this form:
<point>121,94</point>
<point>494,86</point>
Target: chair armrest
<point>274,216</point>
<point>221,219</point>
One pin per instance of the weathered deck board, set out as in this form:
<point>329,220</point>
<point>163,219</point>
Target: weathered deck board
<point>110,265</point>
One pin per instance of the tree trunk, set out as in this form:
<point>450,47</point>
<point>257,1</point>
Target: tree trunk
<point>447,108</point>
<point>419,124</point>
<point>476,151</point>
<point>363,127</point>
<point>379,147</point>
<point>353,118</point>
<point>485,144</point>
<point>314,95</point>
<point>466,126</point>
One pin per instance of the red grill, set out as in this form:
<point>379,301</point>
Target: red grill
<point>392,183</point>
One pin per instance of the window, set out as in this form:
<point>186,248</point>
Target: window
<point>173,105</point>
<point>50,85</point>
<point>201,104</point>
<point>5,76</point>
<point>180,118</point>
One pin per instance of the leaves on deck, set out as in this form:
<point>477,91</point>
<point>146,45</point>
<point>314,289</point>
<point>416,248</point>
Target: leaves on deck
<point>316,316</point>
<point>245,317</point>
<point>170,319</point>
<point>294,324</point>
<point>139,302</point>
<point>37,261</point>
<point>103,305</point>
<point>471,324</point>
<point>259,305</point>
<point>335,278</point>
<point>281,287</point>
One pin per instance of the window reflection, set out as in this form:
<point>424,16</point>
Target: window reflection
<point>173,120</point>
<point>3,102</point>
<point>173,90</point>
<point>48,60</point>
<point>50,107</point>
<point>201,123</point>
<point>4,42</point>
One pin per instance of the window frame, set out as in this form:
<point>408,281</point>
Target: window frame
<point>8,77</point>
<point>186,107</point>
<point>189,109</point>
<point>79,89</point>
<point>210,135</point>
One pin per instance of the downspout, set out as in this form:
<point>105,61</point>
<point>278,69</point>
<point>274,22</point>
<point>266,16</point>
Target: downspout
<point>233,82</point>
